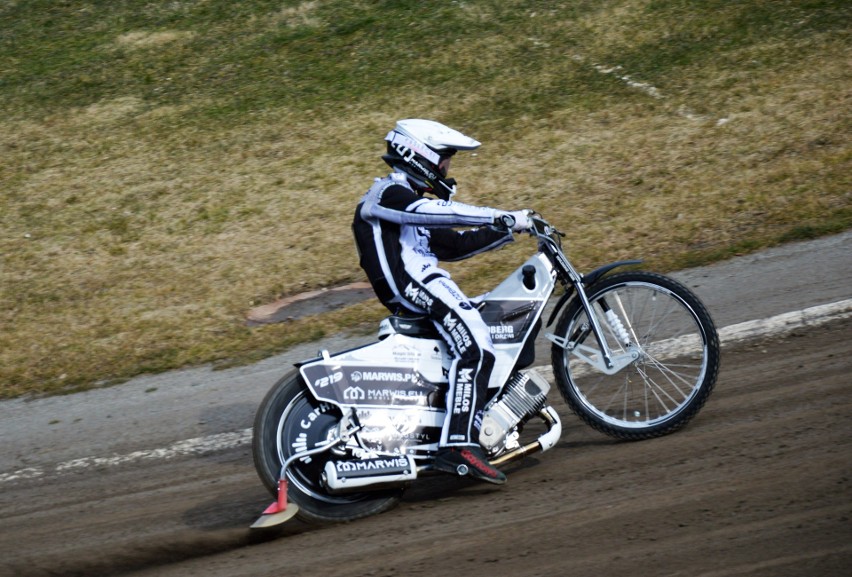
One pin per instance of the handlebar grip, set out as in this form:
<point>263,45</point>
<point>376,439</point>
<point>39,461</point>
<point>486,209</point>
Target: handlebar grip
<point>505,221</point>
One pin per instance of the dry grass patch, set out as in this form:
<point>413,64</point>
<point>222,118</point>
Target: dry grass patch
<point>160,194</point>
<point>147,40</point>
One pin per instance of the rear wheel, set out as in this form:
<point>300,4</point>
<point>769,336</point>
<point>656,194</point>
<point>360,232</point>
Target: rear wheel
<point>677,365</point>
<point>290,420</point>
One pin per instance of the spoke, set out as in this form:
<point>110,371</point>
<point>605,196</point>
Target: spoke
<point>624,387</point>
<point>669,367</point>
<point>646,398</point>
<point>642,312</point>
<point>671,376</point>
<point>659,316</point>
<point>653,387</point>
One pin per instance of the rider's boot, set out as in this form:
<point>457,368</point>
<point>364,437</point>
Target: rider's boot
<point>468,460</point>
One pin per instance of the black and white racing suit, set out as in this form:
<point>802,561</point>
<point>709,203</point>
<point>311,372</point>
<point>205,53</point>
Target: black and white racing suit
<point>401,236</point>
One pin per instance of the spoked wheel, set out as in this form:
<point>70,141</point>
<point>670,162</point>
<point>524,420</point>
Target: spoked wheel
<point>289,420</point>
<point>673,374</point>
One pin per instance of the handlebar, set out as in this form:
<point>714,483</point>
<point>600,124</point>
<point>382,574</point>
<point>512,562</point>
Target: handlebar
<point>542,228</point>
<point>539,228</point>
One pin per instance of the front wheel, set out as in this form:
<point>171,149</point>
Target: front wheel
<point>676,366</point>
<point>290,420</point>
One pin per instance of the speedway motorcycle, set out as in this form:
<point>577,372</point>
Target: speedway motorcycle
<point>635,355</point>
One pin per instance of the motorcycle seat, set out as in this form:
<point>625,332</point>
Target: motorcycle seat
<point>420,327</point>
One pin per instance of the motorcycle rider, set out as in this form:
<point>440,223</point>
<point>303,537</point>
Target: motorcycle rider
<point>401,235</point>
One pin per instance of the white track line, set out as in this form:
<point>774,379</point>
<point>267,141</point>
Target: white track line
<point>196,446</point>
<point>649,89</point>
<point>773,326</point>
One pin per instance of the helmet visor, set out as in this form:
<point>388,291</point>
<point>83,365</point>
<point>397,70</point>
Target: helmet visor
<point>444,163</point>
<point>444,166</point>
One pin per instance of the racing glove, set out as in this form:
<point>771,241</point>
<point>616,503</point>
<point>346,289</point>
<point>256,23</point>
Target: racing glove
<point>517,220</point>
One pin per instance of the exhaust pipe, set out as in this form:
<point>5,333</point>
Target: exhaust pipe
<point>545,442</point>
<point>377,473</point>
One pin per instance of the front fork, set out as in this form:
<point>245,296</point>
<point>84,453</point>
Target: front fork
<point>603,358</point>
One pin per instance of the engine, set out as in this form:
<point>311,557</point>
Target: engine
<point>523,397</point>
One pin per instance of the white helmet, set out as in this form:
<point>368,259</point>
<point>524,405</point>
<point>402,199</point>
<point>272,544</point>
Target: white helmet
<point>417,147</point>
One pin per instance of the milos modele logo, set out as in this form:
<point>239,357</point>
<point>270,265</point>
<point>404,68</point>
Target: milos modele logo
<point>418,297</point>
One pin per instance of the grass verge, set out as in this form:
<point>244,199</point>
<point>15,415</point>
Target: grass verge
<point>165,167</point>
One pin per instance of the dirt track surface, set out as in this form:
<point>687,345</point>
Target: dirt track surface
<point>759,484</point>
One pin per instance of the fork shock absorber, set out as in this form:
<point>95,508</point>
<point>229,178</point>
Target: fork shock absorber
<point>617,327</point>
